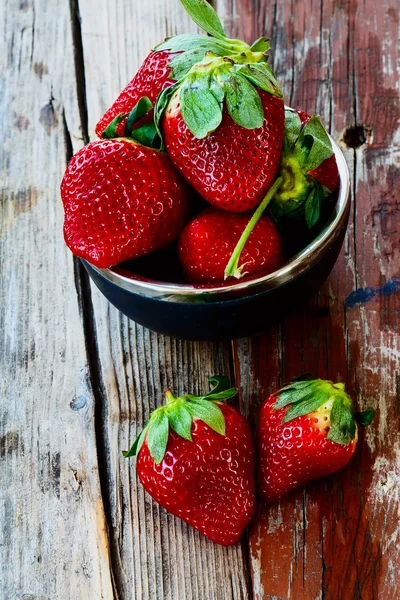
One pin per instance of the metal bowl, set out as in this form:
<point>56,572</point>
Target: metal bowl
<point>238,309</point>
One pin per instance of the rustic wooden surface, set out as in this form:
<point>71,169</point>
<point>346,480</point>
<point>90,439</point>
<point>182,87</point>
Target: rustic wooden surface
<point>77,379</point>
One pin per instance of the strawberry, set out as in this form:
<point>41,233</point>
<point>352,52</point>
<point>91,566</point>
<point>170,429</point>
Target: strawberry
<point>231,167</point>
<point>153,76</point>
<point>327,173</point>
<point>306,430</point>
<point>207,242</point>
<point>163,66</point>
<point>308,169</point>
<point>195,457</point>
<point>122,199</point>
<point>223,122</point>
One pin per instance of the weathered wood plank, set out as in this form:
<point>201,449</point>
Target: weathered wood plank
<point>154,555</point>
<point>339,538</point>
<point>53,530</point>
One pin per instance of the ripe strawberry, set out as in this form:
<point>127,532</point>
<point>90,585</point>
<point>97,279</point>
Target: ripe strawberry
<point>122,199</point>
<point>223,120</point>
<point>195,457</point>
<point>208,241</point>
<point>308,169</point>
<point>231,167</point>
<point>172,59</point>
<point>153,76</point>
<point>306,430</point>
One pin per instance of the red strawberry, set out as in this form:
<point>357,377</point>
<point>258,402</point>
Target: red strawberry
<point>196,459</point>
<point>172,59</point>
<point>153,76</point>
<point>121,200</point>
<point>232,167</point>
<point>327,173</point>
<point>306,430</point>
<point>208,241</point>
<point>308,170</point>
<point>223,121</point>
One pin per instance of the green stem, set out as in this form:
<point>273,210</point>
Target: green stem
<point>169,396</point>
<point>232,268</point>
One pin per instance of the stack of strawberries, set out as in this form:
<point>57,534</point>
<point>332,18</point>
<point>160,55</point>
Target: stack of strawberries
<point>204,116</point>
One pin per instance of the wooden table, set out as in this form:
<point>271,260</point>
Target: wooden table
<point>78,380</point>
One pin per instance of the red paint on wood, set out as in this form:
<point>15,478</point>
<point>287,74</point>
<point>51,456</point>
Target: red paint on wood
<point>339,538</point>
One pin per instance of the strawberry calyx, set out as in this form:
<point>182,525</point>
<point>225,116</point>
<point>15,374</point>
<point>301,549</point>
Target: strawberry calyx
<point>305,396</point>
<point>178,414</point>
<point>216,82</point>
<point>191,49</point>
<point>137,127</point>
<point>305,149</point>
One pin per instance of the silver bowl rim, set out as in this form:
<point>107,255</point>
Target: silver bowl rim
<point>294,267</point>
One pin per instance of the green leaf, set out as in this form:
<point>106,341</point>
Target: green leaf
<point>204,16</point>
<point>141,109</point>
<point>365,417</point>
<point>220,383</point>
<point>243,103</point>
<point>111,130</point>
<point>255,77</point>
<point>208,412</point>
<point>306,406</point>
<point>313,205</point>
<point>224,395</point>
<point>180,421</point>
<point>293,396</point>
<point>220,391</point>
<point>200,109</point>
<point>157,437</point>
<point>216,88</point>
<point>298,385</point>
<point>137,444</point>
<point>261,75</point>
<point>183,62</point>
<point>313,146</point>
<point>188,41</point>
<point>292,130</point>
<point>263,68</point>
<point>261,45</point>
<point>303,392</point>
<point>161,104</point>
<point>343,425</point>
<point>147,135</point>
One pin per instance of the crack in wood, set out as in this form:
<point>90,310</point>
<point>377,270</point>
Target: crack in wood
<point>83,290</point>
<point>79,67</point>
<point>67,139</point>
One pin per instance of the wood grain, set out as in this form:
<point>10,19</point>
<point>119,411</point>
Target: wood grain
<point>53,540</point>
<point>78,380</point>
